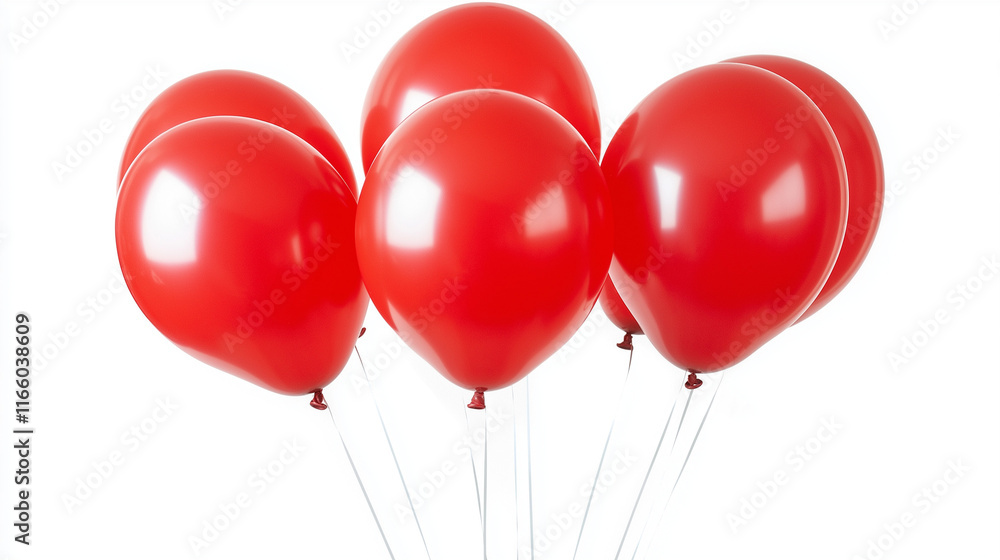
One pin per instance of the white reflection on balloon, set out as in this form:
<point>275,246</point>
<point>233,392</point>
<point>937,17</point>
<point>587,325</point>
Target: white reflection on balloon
<point>169,233</point>
<point>414,100</point>
<point>412,212</point>
<point>546,213</point>
<point>785,198</point>
<point>668,190</point>
<point>297,248</point>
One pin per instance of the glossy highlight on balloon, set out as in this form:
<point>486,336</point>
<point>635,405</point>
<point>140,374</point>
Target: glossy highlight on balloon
<point>244,259</point>
<point>239,94</point>
<point>730,201</point>
<point>476,46</point>
<point>862,158</point>
<point>484,246</point>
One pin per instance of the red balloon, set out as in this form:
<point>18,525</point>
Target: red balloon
<point>244,259</point>
<point>615,309</point>
<point>862,157</point>
<point>621,317</point>
<point>476,46</point>
<point>484,246</point>
<point>239,94</point>
<point>730,202</point>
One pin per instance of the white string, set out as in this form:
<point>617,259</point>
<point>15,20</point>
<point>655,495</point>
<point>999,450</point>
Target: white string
<point>517,511</point>
<point>604,453</point>
<point>392,450</point>
<point>486,468</point>
<point>361,484</point>
<point>680,424</point>
<point>475,478</point>
<point>681,471</point>
<point>650,470</point>
<point>531,503</point>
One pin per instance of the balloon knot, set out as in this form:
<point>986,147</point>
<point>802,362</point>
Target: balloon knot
<point>362,333</point>
<point>318,402</point>
<point>626,343</point>
<point>478,399</point>
<point>693,382</point>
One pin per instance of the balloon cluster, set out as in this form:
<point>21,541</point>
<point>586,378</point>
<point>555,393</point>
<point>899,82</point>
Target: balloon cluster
<point>735,200</point>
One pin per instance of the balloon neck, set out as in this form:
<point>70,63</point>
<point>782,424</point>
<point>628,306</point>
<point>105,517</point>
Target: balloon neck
<point>319,401</point>
<point>362,333</point>
<point>693,382</point>
<point>626,343</point>
<point>478,399</point>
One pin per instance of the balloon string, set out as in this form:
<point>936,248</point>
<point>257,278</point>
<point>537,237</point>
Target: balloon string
<point>681,471</point>
<point>357,476</point>
<point>531,501</point>
<point>650,470</point>
<point>392,449</point>
<point>604,453</point>
<point>696,434</point>
<point>517,511</point>
<point>680,424</point>
<point>517,516</point>
<point>475,477</point>
<point>486,471</point>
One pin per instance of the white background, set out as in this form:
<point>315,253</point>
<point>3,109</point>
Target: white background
<point>899,427</point>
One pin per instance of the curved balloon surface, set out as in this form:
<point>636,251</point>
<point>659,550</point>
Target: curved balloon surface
<point>484,245</point>
<point>730,201</point>
<point>239,94</point>
<point>862,158</point>
<point>476,46</point>
<point>236,239</point>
